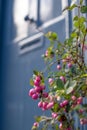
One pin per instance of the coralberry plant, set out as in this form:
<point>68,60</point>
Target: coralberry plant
<point>62,87</point>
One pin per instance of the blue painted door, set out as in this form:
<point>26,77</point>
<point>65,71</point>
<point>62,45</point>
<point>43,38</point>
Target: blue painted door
<point>22,46</point>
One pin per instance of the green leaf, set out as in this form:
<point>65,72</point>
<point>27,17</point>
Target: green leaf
<point>81,1</point>
<point>35,72</point>
<point>75,18</point>
<point>56,107</point>
<point>72,84</point>
<point>34,128</point>
<point>78,107</point>
<point>69,90</point>
<point>31,82</point>
<point>74,34</point>
<point>38,118</point>
<point>59,84</point>
<point>81,20</point>
<point>76,24</point>
<point>56,127</point>
<point>84,9</point>
<point>84,75</point>
<point>52,36</point>
<point>66,84</point>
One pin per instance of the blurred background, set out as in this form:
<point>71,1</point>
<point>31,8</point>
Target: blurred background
<point>21,45</point>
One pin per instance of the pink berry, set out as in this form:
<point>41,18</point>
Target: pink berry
<point>50,98</point>
<point>60,125</point>
<point>36,124</point>
<point>46,53</point>
<point>54,115</point>
<point>79,100</point>
<point>50,105</point>
<point>32,91</point>
<point>38,89</point>
<point>83,121</point>
<point>43,87</point>
<point>73,98</point>
<point>63,78</point>
<point>81,111</point>
<point>65,102</point>
<point>45,95</point>
<point>45,105</point>
<point>38,79</point>
<point>69,65</point>
<point>40,104</point>
<point>35,96</point>
<point>61,105</point>
<point>50,81</point>
<point>36,83</point>
<point>58,67</point>
<point>64,60</point>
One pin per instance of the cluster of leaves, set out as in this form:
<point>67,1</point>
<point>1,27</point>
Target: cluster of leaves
<point>66,73</point>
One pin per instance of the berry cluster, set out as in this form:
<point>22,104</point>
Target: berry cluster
<point>47,101</point>
<point>64,103</point>
<point>76,101</point>
<point>83,121</point>
<point>46,105</point>
<point>37,91</point>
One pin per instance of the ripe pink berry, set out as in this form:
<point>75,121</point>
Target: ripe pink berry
<point>64,60</point>
<point>50,105</point>
<point>73,98</point>
<point>60,125</point>
<point>54,115</point>
<point>51,98</point>
<point>65,102</point>
<point>81,111</point>
<point>32,91</point>
<point>36,124</point>
<point>79,100</point>
<point>38,89</point>
<point>38,79</point>
<point>36,83</point>
<point>35,96</point>
<point>50,81</point>
<point>45,95</point>
<point>61,105</point>
<point>43,87</point>
<point>83,121</point>
<point>58,67</point>
<point>45,105</point>
<point>69,64</point>
<point>63,78</point>
<point>46,53</point>
<point>40,104</point>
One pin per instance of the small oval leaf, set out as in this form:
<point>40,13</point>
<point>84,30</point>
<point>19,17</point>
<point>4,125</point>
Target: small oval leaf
<point>59,84</point>
<point>84,9</point>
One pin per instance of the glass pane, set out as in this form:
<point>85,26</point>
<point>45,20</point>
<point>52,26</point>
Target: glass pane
<point>20,9</point>
<point>50,9</point>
